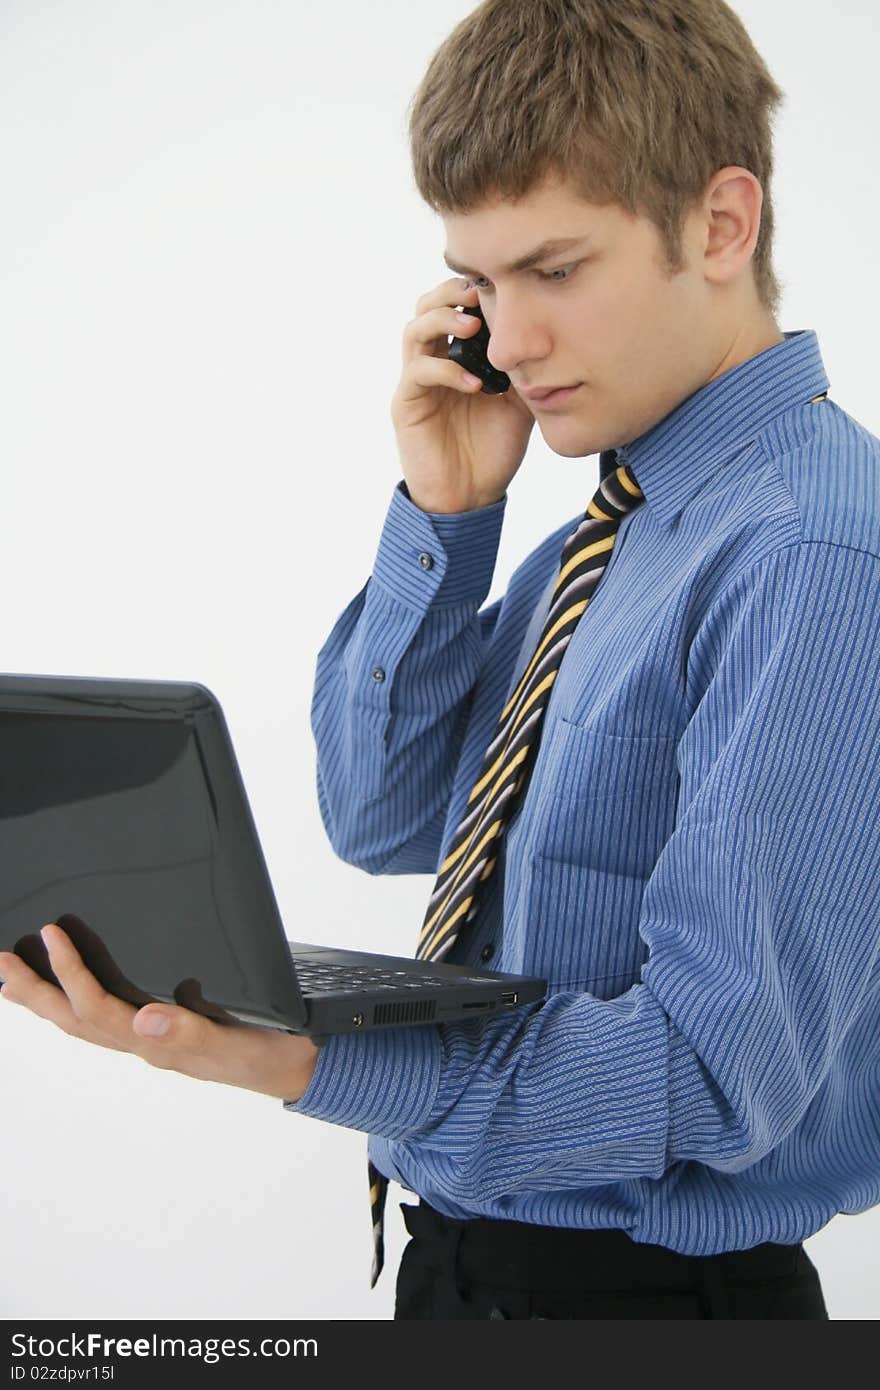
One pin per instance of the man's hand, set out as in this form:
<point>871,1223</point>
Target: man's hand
<point>272,1063</point>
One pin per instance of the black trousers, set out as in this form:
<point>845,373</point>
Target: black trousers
<point>510,1269</point>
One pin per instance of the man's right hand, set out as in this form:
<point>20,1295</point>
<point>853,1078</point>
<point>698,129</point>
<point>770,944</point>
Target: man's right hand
<point>459,446</point>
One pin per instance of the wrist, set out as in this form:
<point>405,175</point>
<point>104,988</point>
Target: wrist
<point>452,507</point>
<point>305,1069</point>
<point>293,1069</point>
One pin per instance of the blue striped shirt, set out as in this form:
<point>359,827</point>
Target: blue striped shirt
<point>695,866</point>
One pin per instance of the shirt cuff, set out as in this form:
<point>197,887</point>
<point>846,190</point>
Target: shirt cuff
<point>438,557</point>
<point>383,1082</point>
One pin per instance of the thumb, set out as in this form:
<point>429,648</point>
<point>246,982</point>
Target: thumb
<point>151,1022</point>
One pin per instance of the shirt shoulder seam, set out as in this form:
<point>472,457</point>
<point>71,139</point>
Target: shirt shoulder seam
<point>780,550</point>
<point>775,462</point>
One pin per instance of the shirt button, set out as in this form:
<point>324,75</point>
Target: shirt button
<point>487,952</point>
<point>378,674</point>
<point>426,561</point>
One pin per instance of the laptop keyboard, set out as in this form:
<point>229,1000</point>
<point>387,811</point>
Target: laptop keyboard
<point>329,975</point>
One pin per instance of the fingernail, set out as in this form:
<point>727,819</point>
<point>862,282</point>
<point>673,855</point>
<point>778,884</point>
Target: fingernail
<point>155,1025</point>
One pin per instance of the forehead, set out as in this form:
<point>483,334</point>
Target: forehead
<point>549,220</point>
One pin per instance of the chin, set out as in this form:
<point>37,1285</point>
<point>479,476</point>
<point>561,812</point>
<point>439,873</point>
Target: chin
<point>576,450</point>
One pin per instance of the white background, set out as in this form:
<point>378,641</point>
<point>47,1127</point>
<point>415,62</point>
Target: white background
<point>210,243</point>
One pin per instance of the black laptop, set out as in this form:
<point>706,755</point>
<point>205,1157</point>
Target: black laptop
<point>123,818</point>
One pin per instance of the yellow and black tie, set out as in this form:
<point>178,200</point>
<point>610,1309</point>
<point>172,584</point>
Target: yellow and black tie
<point>510,756</point>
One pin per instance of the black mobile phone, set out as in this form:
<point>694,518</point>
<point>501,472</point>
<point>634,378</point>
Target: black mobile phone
<point>470,353</point>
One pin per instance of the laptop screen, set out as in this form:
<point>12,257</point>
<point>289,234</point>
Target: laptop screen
<point>114,826</point>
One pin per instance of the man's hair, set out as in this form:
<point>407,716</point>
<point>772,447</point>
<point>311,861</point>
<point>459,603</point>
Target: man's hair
<point>633,102</point>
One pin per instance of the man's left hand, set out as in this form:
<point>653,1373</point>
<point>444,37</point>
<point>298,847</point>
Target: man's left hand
<point>263,1060</point>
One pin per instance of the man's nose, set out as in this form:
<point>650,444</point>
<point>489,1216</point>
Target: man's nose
<point>514,339</point>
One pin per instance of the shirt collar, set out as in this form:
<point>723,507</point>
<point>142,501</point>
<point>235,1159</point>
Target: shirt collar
<point>673,459</point>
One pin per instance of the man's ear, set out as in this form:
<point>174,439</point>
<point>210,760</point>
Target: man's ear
<point>731,222</point>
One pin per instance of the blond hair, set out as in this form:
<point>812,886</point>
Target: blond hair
<point>633,102</point>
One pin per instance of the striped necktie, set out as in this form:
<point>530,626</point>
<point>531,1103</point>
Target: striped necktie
<point>498,790</point>
<point>509,758</point>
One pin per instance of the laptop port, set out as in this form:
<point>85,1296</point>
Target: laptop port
<point>510,998</point>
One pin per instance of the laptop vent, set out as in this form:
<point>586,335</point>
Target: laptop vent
<point>408,1011</point>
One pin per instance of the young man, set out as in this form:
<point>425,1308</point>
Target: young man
<point>648,771</point>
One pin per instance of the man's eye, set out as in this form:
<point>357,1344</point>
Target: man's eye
<point>542,275</point>
<point>550,273</point>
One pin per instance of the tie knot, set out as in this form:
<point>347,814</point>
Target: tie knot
<point>617,493</point>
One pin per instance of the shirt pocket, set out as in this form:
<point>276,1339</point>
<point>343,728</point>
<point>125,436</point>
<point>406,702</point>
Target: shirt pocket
<point>603,800</point>
<point>603,807</point>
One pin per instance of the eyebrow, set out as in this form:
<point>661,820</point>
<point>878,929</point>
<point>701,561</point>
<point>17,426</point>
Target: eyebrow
<point>531,258</point>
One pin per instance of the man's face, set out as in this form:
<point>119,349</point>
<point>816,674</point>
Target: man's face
<point>604,314</point>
